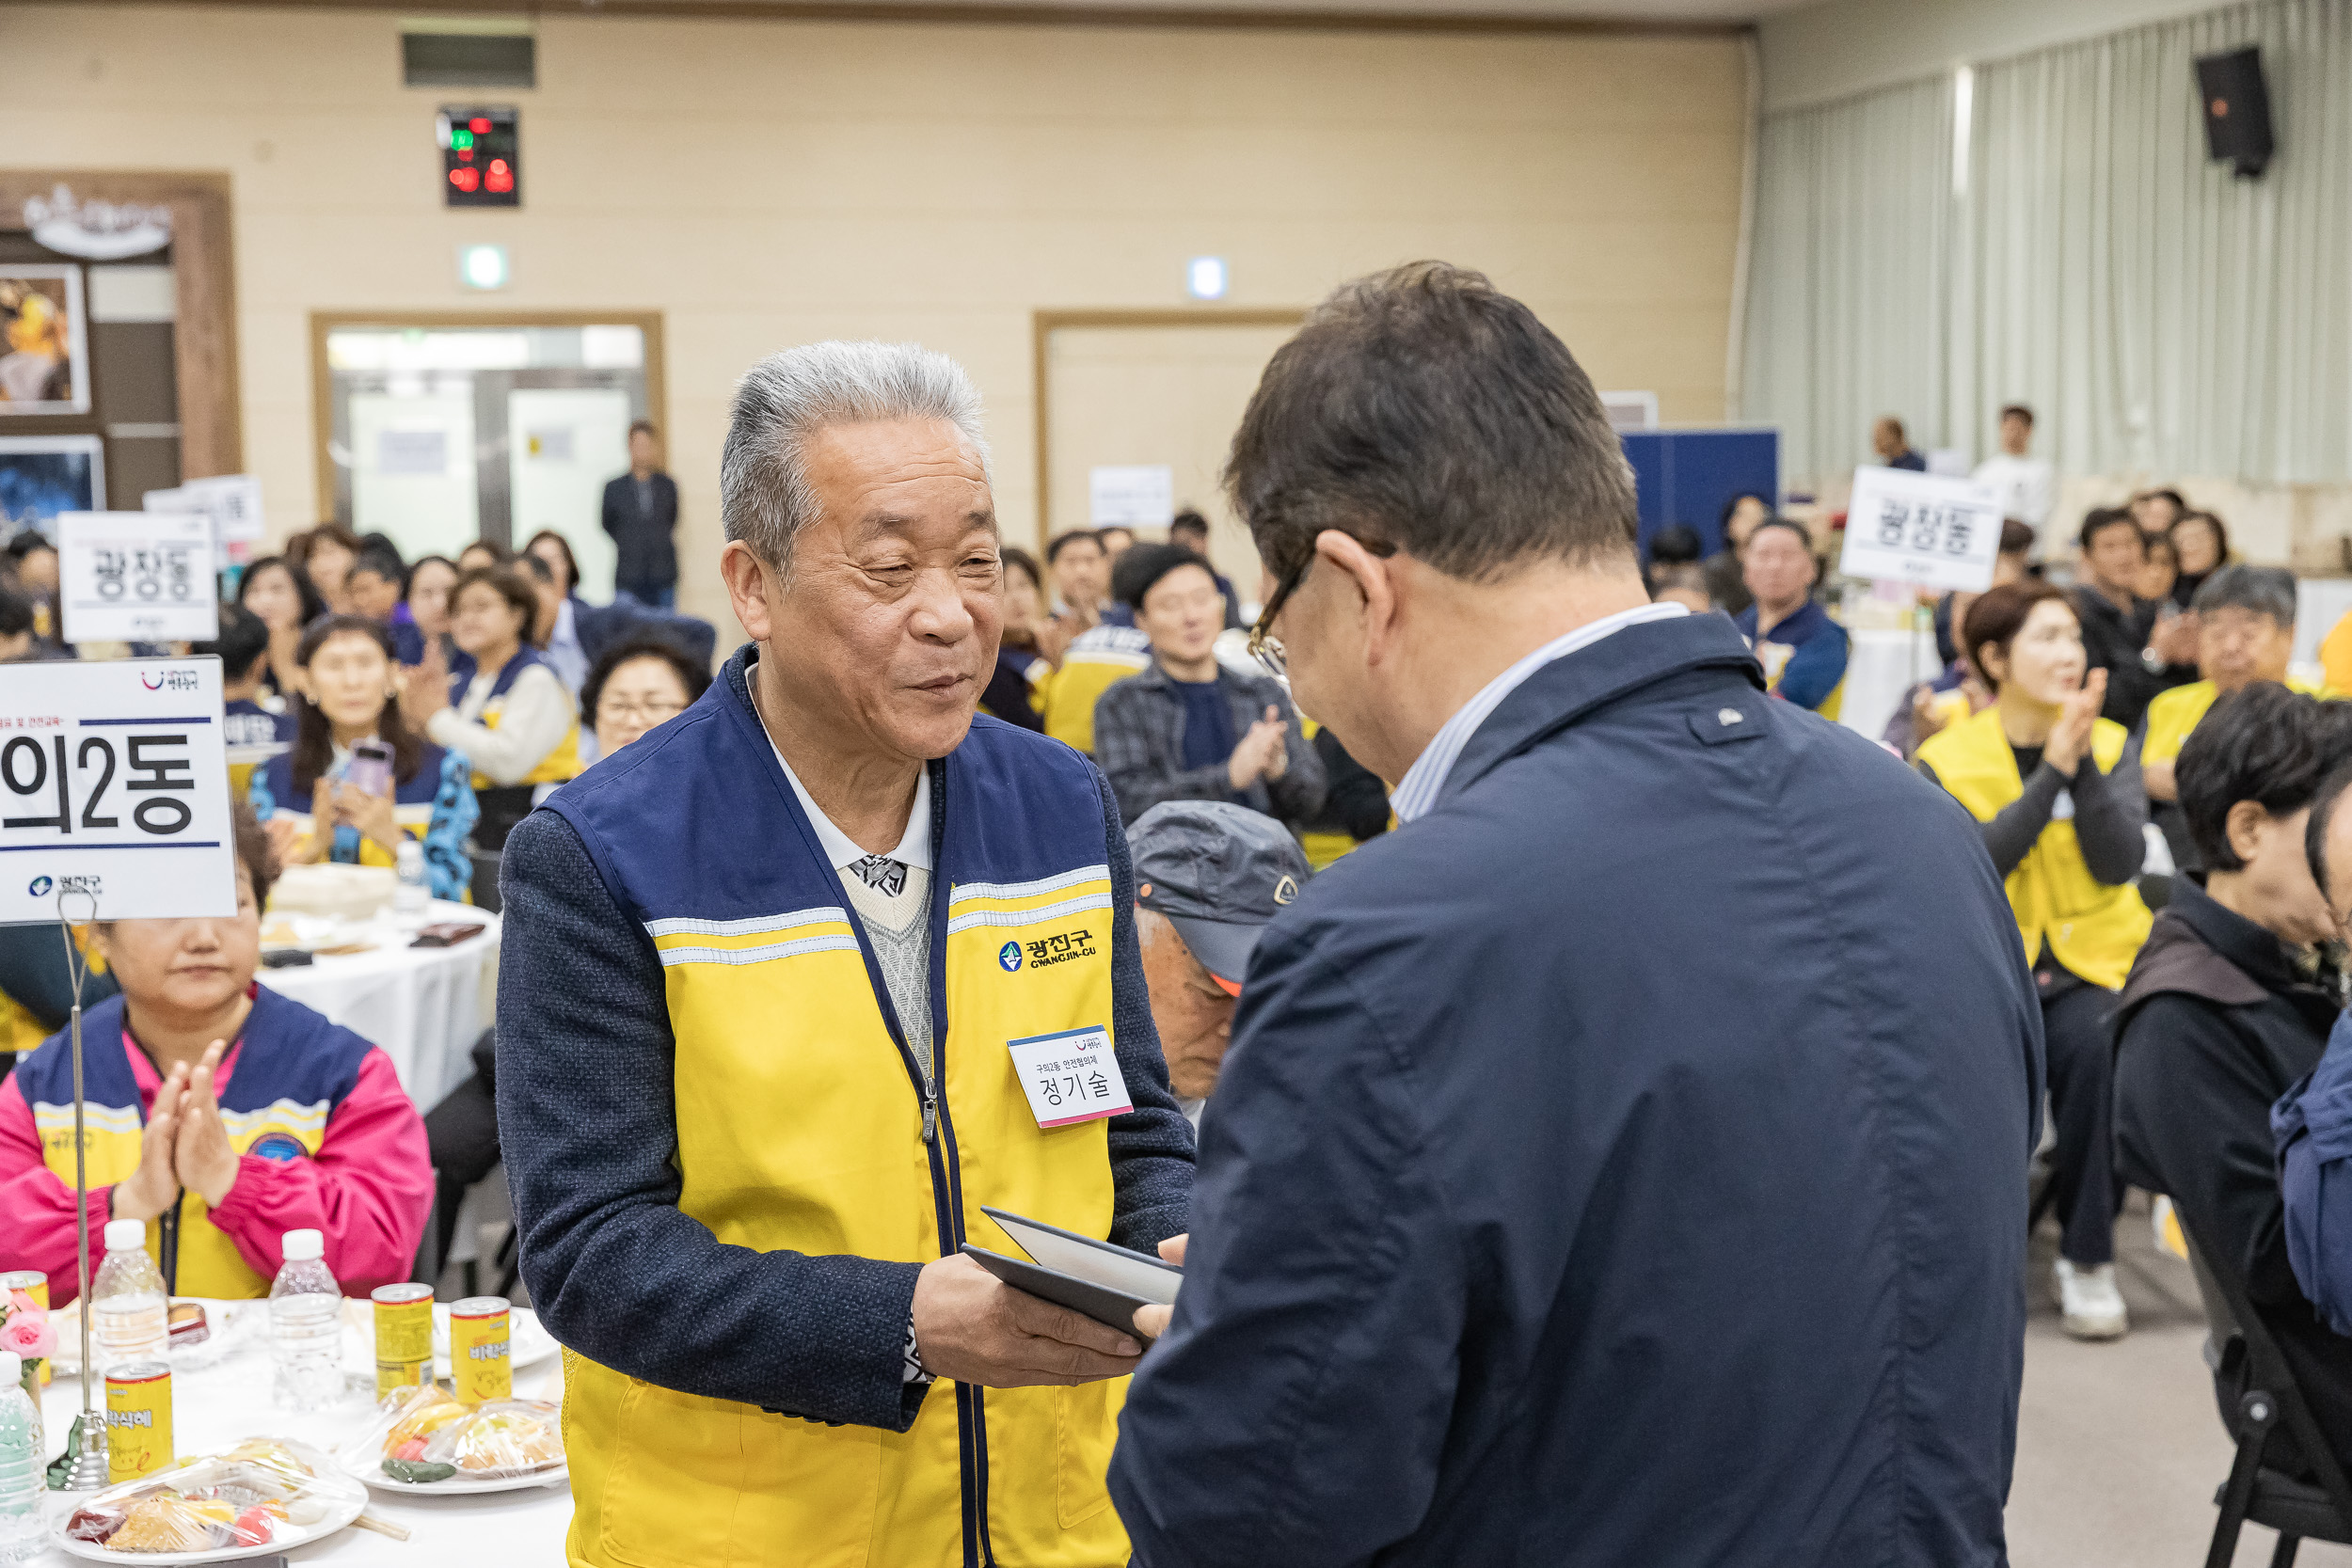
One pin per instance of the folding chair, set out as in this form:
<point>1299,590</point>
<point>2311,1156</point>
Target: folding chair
<point>2298,1510</point>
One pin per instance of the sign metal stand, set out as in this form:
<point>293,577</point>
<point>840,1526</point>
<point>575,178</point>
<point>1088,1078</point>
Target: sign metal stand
<point>88,1442</point>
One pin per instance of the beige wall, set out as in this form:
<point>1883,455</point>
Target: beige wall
<point>766,184</point>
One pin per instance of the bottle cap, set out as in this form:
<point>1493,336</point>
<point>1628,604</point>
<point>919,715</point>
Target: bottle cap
<point>298,1246</point>
<point>125,1235</point>
<point>12,1369</point>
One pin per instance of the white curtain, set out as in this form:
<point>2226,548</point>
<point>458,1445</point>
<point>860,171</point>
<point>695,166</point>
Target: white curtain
<point>2160,315</point>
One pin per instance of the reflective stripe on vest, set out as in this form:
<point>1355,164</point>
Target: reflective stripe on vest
<point>800,1125</point>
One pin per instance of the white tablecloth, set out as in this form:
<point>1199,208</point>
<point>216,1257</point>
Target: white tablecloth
<point>1881,664</point>
<point>216,1407</point>
<point>424,1006</point>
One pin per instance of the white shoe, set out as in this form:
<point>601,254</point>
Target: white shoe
<point>2093,1308</point>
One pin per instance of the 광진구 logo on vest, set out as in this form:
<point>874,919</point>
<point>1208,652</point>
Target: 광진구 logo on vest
<point>1010,955</point>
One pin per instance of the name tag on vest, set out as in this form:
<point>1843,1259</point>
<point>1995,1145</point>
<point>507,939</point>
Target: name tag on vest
<point>1070,1077</point>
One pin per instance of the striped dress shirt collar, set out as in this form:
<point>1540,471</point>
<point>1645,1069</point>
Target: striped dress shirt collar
<point>1418,794</point>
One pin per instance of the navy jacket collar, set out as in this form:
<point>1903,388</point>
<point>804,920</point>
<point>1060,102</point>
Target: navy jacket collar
<point>1567,688</point>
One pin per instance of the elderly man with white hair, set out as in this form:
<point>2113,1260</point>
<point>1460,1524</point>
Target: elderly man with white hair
<point>781,988</point>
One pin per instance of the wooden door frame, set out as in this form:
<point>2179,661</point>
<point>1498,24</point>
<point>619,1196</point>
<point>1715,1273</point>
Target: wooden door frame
<point>1044,323</point>
<point>204,280</point>
<point>323,378</point>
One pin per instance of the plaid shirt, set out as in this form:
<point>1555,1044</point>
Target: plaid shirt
<point>1139,744</point>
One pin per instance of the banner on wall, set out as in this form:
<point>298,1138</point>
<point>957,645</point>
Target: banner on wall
<point>137,577</point>
<point>1921,529</point>
<point>113,792</point>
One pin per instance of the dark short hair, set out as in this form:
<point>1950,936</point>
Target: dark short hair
<point>243,642</point>
<point>315,735</point>
<point>506,585</point>
<point>2179,503</point>
<point>1141,568</point>
<point>383,564</point>
<point>27,544</point>
<point>694,675</point>
<point>312,605</point>
<point>643,427</point>
<point>2016,536</point>
<point>2017,411</point>
<point>1674,545</point>
<point>2220,530</point>
<point>2264,590</point>
<point>1424,408</point>
<point>1067,537</point>
<point>1776,520</point>
<point>1189,521</point>
<point>253,851</point>
<point>534,566</point>
<point>571,562</point>
<point>1999,614</point>
<point>1015,559</point>
<point>2262,743</point>
<point>2099,519</point>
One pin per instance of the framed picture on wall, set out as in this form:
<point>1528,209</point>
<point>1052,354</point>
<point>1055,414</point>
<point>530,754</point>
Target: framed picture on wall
<point>44,352</point>
<point>43,475</point>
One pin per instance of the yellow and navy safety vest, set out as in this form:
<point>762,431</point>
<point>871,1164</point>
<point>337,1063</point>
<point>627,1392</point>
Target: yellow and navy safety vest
<point>2093,930</point>
<point>1100,659</point>
<point>559,765</point>
<point>293,1068</point>
<point>803,1125</point>
<point>2174,714</point>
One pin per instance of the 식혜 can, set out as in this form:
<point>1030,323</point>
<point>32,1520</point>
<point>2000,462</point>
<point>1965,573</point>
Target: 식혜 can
<point>35,1285</point>
<point>138,1419</point>
<point>480,1366</point>
<point>404,1337</point>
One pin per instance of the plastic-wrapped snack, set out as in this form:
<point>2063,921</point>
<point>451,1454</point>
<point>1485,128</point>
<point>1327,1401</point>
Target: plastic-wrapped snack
<point>258,1493</point>
<point>507,1437</point>
<point>172,1525</point>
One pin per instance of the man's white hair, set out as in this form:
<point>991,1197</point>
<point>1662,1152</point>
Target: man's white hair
<point>764,494</point>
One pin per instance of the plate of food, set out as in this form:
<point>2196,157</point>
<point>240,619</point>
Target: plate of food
<point>425,1442</point>
<point>265,1496</point>
<point>529,1343</point>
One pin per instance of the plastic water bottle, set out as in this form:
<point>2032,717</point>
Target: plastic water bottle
<point>306,1321</point>
<point>24,1486</point>
<point>414,891</point>
<point>130,1315</point>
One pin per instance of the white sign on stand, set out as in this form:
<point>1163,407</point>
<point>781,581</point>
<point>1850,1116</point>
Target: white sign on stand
<point>1920,528</point>
<point>113,784</point>
<point>234,501</point>
<point>1131,496</point>
<point>137,577</point>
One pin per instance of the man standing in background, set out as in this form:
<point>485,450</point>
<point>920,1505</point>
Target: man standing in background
<point>2026,486</point>
<point>641,515</point>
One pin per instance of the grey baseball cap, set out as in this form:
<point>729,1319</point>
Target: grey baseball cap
<point>1218,872</point>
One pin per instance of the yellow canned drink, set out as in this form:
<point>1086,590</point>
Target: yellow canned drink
<point>35,1284</point>
<point>404,1337</point>
<point>479,1360</point>
<point>138,1419</point>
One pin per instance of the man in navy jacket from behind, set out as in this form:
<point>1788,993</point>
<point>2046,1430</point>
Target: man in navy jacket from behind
<point>1623,1161</point>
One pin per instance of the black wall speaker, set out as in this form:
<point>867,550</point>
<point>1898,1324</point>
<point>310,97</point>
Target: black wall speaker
<point>2237,110</point>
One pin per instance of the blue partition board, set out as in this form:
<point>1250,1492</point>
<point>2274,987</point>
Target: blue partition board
<point>1689,476</point>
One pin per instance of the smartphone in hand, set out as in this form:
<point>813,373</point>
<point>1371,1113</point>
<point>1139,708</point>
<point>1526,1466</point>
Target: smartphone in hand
<point>371,768</point>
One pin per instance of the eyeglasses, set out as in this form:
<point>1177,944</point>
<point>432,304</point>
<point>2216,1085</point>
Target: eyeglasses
<point>656,711</point>
<point>1265,646</point>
